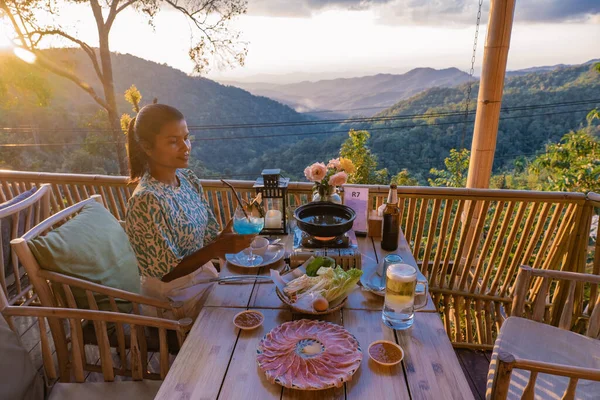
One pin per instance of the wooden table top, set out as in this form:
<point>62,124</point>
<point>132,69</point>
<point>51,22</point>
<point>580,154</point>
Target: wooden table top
<point>218,360</point>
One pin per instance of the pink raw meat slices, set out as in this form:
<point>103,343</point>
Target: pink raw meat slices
<point>309,355</point>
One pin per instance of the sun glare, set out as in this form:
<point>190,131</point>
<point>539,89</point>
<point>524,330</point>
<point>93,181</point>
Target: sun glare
<point>4,40</point>
<point>24,55</point>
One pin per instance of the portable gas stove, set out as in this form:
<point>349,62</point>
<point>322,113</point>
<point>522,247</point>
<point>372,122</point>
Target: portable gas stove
<point>343,249</point>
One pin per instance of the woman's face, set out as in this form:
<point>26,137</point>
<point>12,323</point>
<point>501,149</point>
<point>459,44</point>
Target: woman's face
<point>171,146</point>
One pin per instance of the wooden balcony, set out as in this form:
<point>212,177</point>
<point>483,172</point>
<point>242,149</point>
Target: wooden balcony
<point>469,243</point>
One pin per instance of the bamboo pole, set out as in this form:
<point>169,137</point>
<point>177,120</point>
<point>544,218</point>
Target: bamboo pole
<point>490,93</point>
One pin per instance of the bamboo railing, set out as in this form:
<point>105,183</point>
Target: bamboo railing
<point>469,242</point>
<point>68,189</point>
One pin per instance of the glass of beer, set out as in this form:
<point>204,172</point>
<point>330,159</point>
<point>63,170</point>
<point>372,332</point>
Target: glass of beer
<point>402,286</point>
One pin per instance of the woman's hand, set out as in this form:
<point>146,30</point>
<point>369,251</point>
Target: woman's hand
<point>233,243</point>
<point>228,229</point>
<point>229,242</point>
<point>226,242</point>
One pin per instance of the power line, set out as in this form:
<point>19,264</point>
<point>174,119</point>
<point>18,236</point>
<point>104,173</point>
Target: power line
<point>391,118</point>
<point>197,139</point>
<point>349,120</point>
<point>420,162</point>
<point>347,109</point>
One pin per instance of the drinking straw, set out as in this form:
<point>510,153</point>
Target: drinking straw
<point>237,196</point>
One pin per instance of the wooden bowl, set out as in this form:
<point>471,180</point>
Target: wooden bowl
<point>287,301</point>
<point>387,364</point>
<point>248,328</point>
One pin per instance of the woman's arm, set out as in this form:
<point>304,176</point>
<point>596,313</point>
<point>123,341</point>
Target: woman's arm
<point>226,242</point>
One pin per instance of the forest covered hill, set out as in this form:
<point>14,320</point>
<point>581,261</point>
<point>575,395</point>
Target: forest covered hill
<point>71,115</point>
<point>415,134</point>
<point>418,133</point>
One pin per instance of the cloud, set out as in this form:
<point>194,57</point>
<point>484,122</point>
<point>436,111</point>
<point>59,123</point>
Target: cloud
<point>432,12</point>
<point>305,8</point>
<point>556,10</point>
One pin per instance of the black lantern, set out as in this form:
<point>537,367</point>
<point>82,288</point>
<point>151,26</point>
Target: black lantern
<point>273,189</point>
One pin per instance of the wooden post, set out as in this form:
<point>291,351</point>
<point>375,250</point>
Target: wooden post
<point>490,93</point>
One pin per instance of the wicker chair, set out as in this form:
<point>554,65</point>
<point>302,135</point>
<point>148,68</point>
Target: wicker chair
<point>127,374</point>
<point>533,359</point>
<point>19,218</point>
<point>56,290</point>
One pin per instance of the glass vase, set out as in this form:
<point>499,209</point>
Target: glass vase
<point>331,195</point>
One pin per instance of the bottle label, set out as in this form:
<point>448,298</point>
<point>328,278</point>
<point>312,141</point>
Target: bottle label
<point>389,223</point>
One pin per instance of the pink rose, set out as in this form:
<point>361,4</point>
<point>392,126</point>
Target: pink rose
<point>338,179</point>
<point>316,172</point>
<point>335,163</point>
<point>308,173</point>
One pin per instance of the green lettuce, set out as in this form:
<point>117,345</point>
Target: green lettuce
<point>341,282</point>
<point>331,283</point>
<point>319,262</point>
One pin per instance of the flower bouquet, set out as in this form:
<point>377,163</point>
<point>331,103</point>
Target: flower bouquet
<point>328,178</point>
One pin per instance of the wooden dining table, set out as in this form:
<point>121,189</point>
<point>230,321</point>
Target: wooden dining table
<point>218,360</point>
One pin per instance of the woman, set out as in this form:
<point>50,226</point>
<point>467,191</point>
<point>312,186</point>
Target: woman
<point>172,229</point>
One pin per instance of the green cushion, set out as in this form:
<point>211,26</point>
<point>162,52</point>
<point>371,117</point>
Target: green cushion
<point>92,246</point>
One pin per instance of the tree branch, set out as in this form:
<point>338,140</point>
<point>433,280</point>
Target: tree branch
<point>114,11</point>
<point>86,47</point>
<point>97,10</point>
<point>43,61</point>
<point>125,5</point>
<point>4,7</point>
<point>208,5</point>
<point>191,16</point>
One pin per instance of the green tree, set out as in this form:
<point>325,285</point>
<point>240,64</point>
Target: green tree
<point>24,94</point>
<point>35,21</point>
<point>21,84</point>
<point>355,148</point>
<point>455,174</point>
<point>595,113</point>
<point>404,178</point>
<point>571,165</point>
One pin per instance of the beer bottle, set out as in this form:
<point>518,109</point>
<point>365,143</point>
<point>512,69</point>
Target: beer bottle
<point>391,221</point>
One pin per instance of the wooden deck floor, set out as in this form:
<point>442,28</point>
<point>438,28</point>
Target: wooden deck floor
<point>474,363</point>
<point>475,366</point>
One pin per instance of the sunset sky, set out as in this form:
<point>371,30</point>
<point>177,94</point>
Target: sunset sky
<point>325,39</point>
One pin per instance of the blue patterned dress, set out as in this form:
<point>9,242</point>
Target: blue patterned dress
<point>165,224</point>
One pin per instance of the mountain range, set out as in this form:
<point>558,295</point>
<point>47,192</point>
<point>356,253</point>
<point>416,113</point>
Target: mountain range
<point>366,95</point>
<point>354,96</point>
<point>418,133</point>
<point>71,115</point>
<point>264,133</point>
<point>545,68</point>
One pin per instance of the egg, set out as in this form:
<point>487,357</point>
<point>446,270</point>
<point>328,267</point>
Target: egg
<point>320,304</point>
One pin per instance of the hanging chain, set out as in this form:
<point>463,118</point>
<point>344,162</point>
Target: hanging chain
<point>470,86</point>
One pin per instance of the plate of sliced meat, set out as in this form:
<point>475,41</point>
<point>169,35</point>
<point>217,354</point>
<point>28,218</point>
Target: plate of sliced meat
<point>309,355</point>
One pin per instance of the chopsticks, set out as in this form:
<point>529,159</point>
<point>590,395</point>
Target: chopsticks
<point>244,279</point>
<point>238,279</point>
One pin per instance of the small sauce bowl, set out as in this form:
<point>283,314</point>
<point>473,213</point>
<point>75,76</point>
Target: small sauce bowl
<point>248,327</point>
<point>386,343</point>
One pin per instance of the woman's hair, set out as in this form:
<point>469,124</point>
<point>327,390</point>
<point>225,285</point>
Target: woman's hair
<point>144,128</point>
